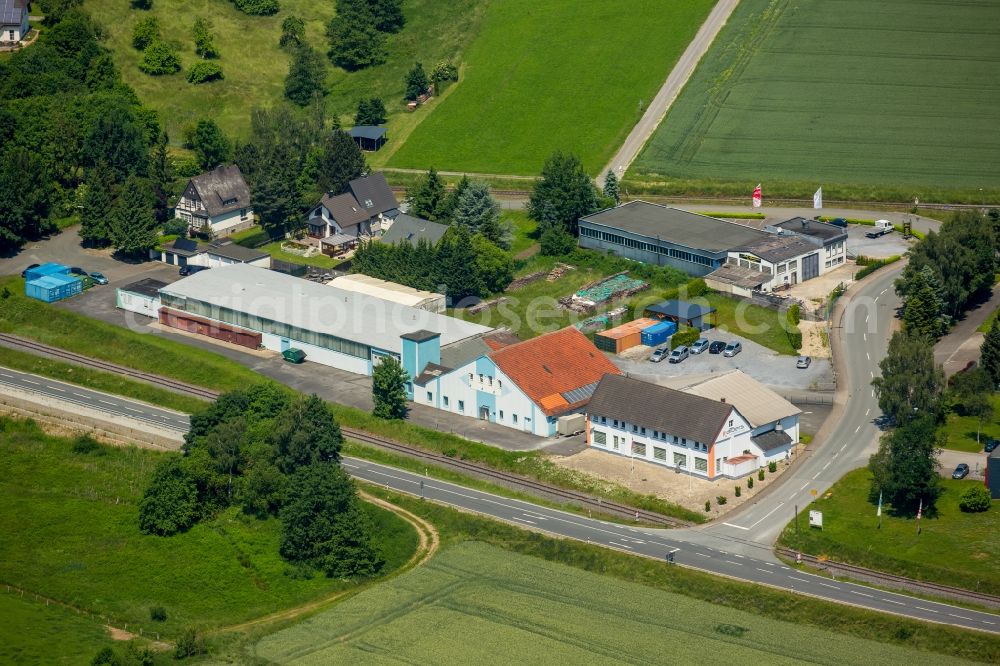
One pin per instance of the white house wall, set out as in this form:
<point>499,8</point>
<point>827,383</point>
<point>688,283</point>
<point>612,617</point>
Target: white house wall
<point>223,225</point>
<point>360,366</point>
<point>138,303</point>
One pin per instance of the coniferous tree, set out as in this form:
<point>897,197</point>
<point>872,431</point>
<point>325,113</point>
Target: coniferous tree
<point>478,210</point>
<point>118,141</point>
<point>923,305</point>
<point>161,172</point>
<point>389,389</point>
<point>98,203</point>
<point>25,197</point>
<point>370,112</point>
<point>210,145</point>
<point>416,82</point>
<point>427,196</point>
<point>305,76</point>
<point>340,162</point>
<point>388,14</point>
<point>133,225</point>
<point>293,32</point>
<point>446,210</point>
<point>611,188</point>
<point>355,42</point>
<point>564,194</point>
<point>457,261</point>
<point>990,353</point>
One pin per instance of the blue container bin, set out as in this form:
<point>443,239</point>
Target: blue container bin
<point>44,270</point>
<point>50,288</point>
<point>657,334</point>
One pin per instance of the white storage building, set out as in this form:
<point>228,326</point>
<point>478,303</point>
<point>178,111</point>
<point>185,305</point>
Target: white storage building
<point>390,291</point>
<point>142,297</point>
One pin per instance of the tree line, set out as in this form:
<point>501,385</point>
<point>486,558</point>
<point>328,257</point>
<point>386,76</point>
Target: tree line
<point>270,455</point>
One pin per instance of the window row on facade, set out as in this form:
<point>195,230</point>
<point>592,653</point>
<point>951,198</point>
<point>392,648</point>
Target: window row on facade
<point>662,436</point>
<point>625,241</point>
<point>642,450</point>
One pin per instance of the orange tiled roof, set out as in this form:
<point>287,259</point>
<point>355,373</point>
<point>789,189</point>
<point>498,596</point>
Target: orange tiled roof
<point>553,364</point>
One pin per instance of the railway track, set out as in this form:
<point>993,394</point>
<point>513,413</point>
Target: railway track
<point>890,580</point>
<point>508,479</point>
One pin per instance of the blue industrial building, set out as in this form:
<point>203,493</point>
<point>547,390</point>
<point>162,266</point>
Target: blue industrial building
<point>51,282</point>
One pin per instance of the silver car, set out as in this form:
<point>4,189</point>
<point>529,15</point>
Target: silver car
<point>700,345</point>
<point>803,362</point>
<point>659,353</point>
<point>733,348</point>
<point>679,354</point>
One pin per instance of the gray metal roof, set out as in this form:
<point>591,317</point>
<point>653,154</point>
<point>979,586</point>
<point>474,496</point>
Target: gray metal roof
<point>815,228</point>
<point>317,307</point>
<point>691,230</point>
<point>372,132</point>
<point>773,439</point>
<point>458,354</point>
<point>680,309</point>
<point>411,229</point>
<point>775,248</point>
<point>231,250</point>
<point>374,194</point>
<point>659,408</point>
<point>220,185</point>
<point>748,278</point>
<point>12,11</point>
<point>146,287</point>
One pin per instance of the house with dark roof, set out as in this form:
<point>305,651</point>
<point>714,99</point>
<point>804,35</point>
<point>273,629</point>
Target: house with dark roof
<point>363,212</point>
<point>705,433</point>
<point>525,385</point>
<point>13,21</point>
<point>830,237</point>
<point>216,203</point>
<point>409,229</point>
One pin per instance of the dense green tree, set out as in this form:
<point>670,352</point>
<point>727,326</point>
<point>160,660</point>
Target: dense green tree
<point>306,433</point>
<point>264,487</point>
<point>25,197</point>
<point>324,525</point>
<point>448,204</point>
<point>340,162</point>
<point>564,193</point>
<point>170,502</point>
<point>389,389</point>
<point>904,469</point>
<point>494,265</point>
<point>102,74</point>
<point>457,265</point>
<point>204,42</point>
<point>911,384</point>
<point>145,32</point>
<point>159,58</point>
<point>611,188</point>
<point>416,82</point>
<point>306,76</point>
<point>355,42</point>
<point>477,210</point>
<point>274,191</point>
<point>990,353</point>
<point>555,241</point>
<point>258,7</point>
<point>119,141</point>
<point>388,14</point>
<point>210,145</point>
<point>443,72</point>
<point>133,224</point>
<point>56,10</point>
<point>370,112</point>
<point>204,72</point>
<point>293,32</point>
<point>923,305</point>
<point>427,196</point>
<point>95,212</point>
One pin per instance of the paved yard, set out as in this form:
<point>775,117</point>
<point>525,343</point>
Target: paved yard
<point>949,459</point>
<point>65,249</point>
<point>886,246</point>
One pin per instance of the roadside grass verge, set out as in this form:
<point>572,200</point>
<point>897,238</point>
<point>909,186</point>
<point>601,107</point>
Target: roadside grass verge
<point>954,548</point>
<point>36,633</point>
<point>929,643</point>
<point>84,335</point>
<point>98,380</point>
<point>959,432</point>
<point>71,533</point>
<point>537,80</point>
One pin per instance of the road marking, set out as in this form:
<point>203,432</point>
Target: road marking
<point>868,355</point>
<point>739,564</point>
<point>801,580</point>
<point>702,554</point>
<point>739,556</point>
<point>736,526</point>
<point>28,381</point>
<point>107,403</point>
<point>883,291</point>
<point>872,373</point>
<point>133,409</point>
<point>56,388</point>
<point>862,594</point>
<point>780,504</point>
<point>817,475</point>
<point>523,520</point>
<point>80,395</point>
<point>805,485</point>
<point>613,543</point>
<point>873,393</point>
<point>961,617</point>
<point>865,335</point>
<point>827,465</point>
<point>4,374</point>
<point>832,587</point>
<point>858,428</point>
<point>841,448</point>
<point>868,411</point>
<point>929,610</point>
<point>350,465</point>
<point>987,622</point>
<point>764,570</point>
<point>792,496</point>
<point>898,603</point>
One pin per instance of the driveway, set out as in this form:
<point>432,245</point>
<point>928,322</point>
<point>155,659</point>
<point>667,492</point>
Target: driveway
<point>881,247</point>
<point>64,248</point>
<point>948,459</point>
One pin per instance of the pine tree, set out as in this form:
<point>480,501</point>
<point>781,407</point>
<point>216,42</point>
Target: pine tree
<point>370,112</point>
<point>275,194</point>
<point>477,209</point>
<point>427,197</point>
<point>210,145</point>
<point>389,389</point>
<point>611,189</point>
<point>388,15</point>
<point>564,194</point>
<point>98,202</point>
<point>990,352</point>
<point>133,225</point>
<point>161,172</point>
<point>355,42</point>
<point>457,265</point>
<point>416,82</point>
<point>340,162</point>
<point>446,210</point>
<point>305,76</point>
<point>118,141</point>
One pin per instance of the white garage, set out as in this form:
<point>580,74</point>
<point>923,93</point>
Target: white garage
<point>142,297</point>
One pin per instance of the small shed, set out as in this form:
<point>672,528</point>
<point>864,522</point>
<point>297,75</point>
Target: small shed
<point>683,313</point>
<point>142,297</point>
<point>44,270</point>
<point>368,137</point>
<point>659,333</point>
<point>50,288</point>
<point>618,339</point>
<point>993,473</point>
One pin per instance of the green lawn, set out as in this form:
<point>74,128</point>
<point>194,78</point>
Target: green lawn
<point>70,526</point>
<point>524,230</point>
<point>753,322</point>
<point>954,548</point>
<point>531,611</point>
<point>850,95</point>
<point>959,432</point>
<point>255,68</point>
<point>97,380</point>
<point>35,633</point>
<point>572,75</point>
<point>319,260</point>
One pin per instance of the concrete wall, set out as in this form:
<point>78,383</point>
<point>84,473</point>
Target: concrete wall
<point>314,354</point>
<point>138,303</point>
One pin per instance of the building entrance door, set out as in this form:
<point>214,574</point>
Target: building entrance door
<point>810,267</point>
<point>484,413</point>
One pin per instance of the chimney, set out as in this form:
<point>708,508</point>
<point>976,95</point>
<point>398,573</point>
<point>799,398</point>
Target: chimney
<point>722,400</point>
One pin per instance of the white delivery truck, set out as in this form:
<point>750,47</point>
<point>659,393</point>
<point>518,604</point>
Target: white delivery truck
<point>882,227</point>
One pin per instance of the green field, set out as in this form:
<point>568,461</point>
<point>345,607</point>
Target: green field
<point>32,632</point>
<point>959,432</point>
<point>475,603</point>
<point>255,68</point>
<point>70,526</point>
<point>572,75</point>
<point>887,101</point>
<point>954,548</point>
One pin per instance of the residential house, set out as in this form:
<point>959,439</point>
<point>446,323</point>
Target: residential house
<point>526,386</point>
<point>216,203</point>
<point>13,21</point>
<point>364,212</point>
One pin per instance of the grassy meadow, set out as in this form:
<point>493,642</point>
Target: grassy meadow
<point>953,548</point>
<point>523,609</point>
<point>70,525</point>
<point>958,432</point>
<point>572,75</point>
<point>878,101</point>
<point>35,633</point>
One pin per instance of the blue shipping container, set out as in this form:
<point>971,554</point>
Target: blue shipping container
<point>51,288</point>
<point>46,269</point>
<point>657,334</point>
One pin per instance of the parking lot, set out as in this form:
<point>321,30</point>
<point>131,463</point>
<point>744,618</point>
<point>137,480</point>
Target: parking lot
<point>886,246</point>
<point>764,365</point>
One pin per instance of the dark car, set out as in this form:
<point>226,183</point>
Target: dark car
<point>99,278</point>
<point>839,222</point>
<point>716,347</point>
<point>961,471</point>
<point>76,270</point>
<point>990,445</point>
<point>24,273</point>
<point>191,270</point>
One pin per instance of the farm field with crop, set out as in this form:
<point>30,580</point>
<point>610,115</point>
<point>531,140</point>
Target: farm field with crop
<point>561,74</point>
<point>890,100</point>
<point>520,608</point>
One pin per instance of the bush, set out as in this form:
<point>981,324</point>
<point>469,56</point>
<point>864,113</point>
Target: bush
<point>697,288</point>
<point>739,491</point>
<point>721,499</point>
<point>257,7</point>
<point>159,58</point>
<point>684,336</point>
<point>170,503</point>
<point>189,644</point>
<point>85,444</point>
<point>760,474</point>
<point>772,467</point>
<point>175,226</point>
<point>750,483</point>
<point>157,613</point>
<point>872,265</point>
<point>708,505</point>
<point>203,72</point>
<point>975,500</point>
<point>145,32</point>
<point>794,314</point>
<point>556,242</point>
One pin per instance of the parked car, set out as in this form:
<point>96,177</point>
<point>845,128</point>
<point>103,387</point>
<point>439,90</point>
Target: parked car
<point>659,353</point>
<point>839,222</point>
<point>679,354</point>
<point>733,348</point>
<point>990,445</point>
<point>716,347</point>
<point>882,227</point>
<point>98,278</point>
<point>961,471</point>
<point>700,345</point>
<point>24,273</point>
<point>191,270</point>
<point>76,270</point>
<point>803,362</point>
